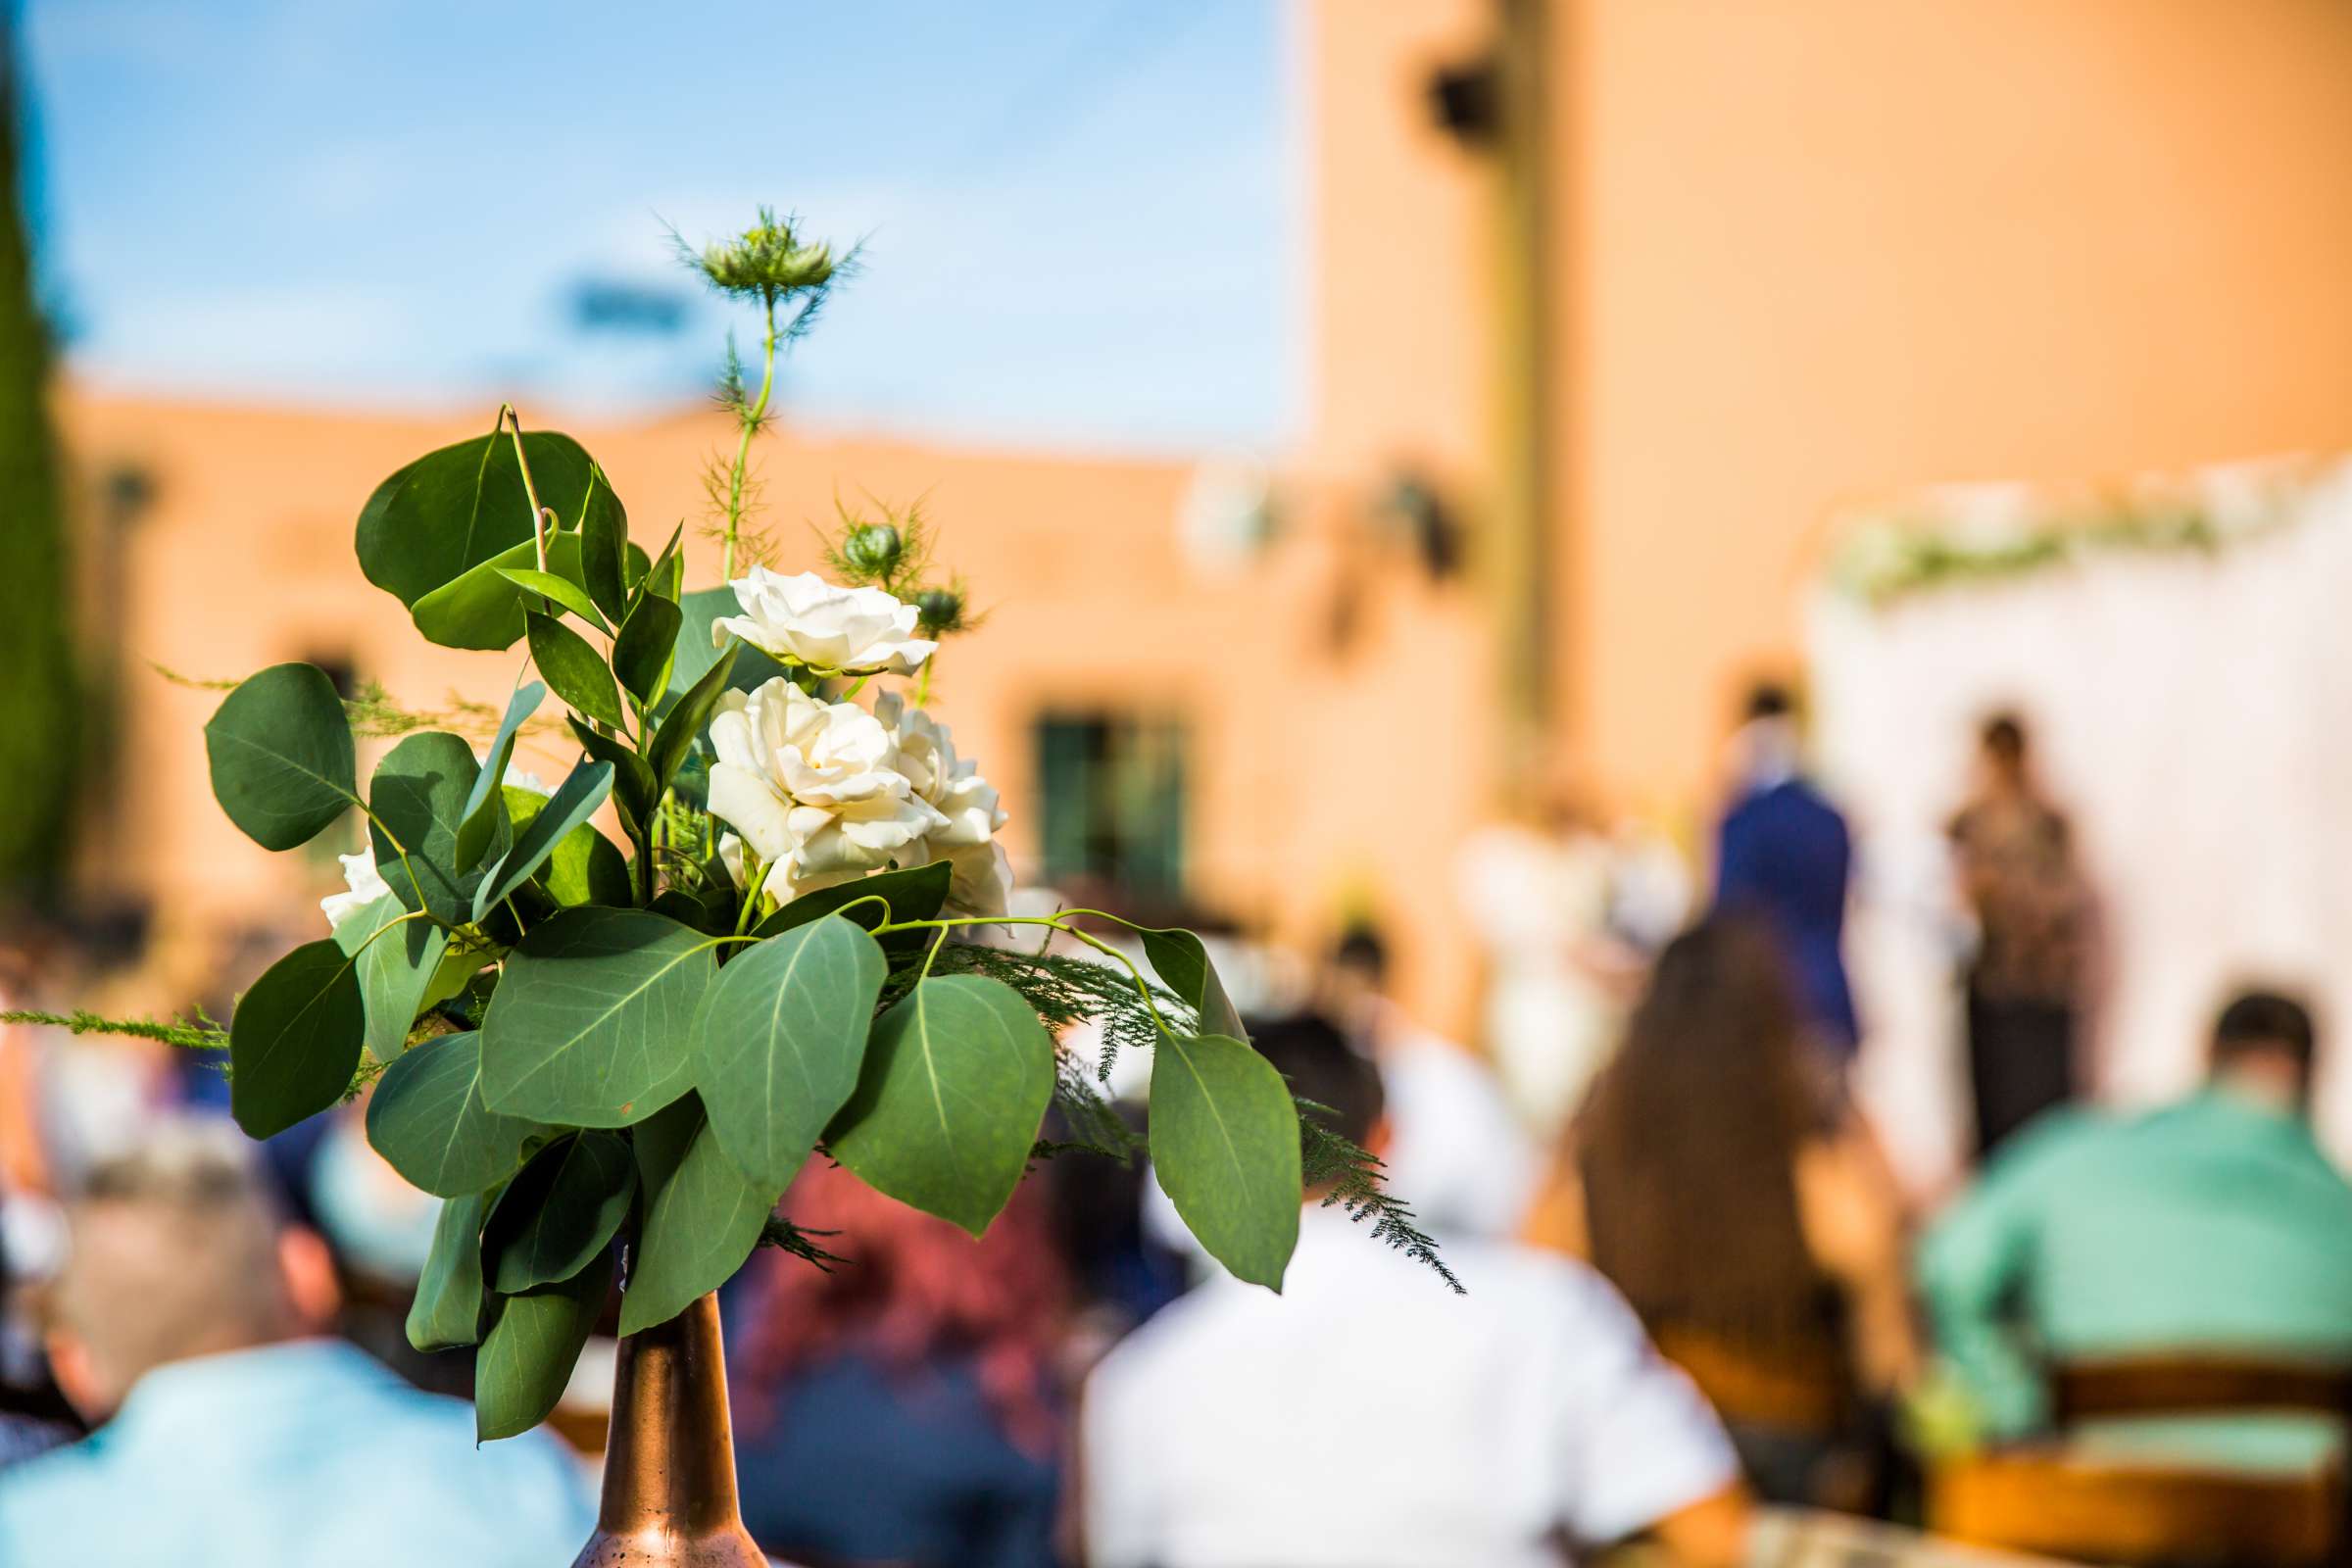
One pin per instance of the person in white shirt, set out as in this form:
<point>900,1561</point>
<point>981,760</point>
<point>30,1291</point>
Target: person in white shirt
<point>1368,1416</point>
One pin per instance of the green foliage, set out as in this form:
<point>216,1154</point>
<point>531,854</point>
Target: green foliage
<point>643,653</point>
<point>955,1081</point>
<point>482,607</point>
<point>527,1356</point>
<point>1225,1148</point>
<point>696,653</point>
<point>1183,963</point>
<point>561,1209</point>
<point>562,591</point>
<point>1064,991</point>
<point>1350,1178</point>
<point>703,1216</point>
<point>583,867</point>
<point>686,721</point>
<point>446,1313</point>
<point>428,1121</point>
<point>592,1022</point>
<point>576,671</point>
<point>295,1039</point>
<point>459,507</point>
<point>282,762</point>
<point>604,566</point>
<point>197,1034</point>
<point>779,1039</point>
<point>398,961</point>
<point>417,803</point>
<point>476,826</point>
<point>913,894</point>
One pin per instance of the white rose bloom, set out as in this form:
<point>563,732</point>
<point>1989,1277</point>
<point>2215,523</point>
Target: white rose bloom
<point>965,800</point>
<point>806,620</point>
<point>367,886</point>
<point>812,786</point>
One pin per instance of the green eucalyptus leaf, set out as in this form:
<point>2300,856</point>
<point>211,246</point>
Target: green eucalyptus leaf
<point>575,671</point>
<point>584,867</point>
<point>561,590</point>
<point>647,642</point>
<point>482,609</point>
<point>779,1039</point>
<point>560,1211</point>
<point>604,546</point>
<point>448,1309</point>
<point>591,1025</point>
<point>427,1119</point>
<point>710,919</point>
<point>295,1038</point>
<point>915,894</point>
<point>398,969</point>
<point>1182,964</point>
<point>527,1356</point>
<point>946,1109</point>
<point>697,652</point>
<point>476,828</point>
<point>455,507</point>
<point>703,1217</point>
<point>633,790</point>
<point>418,795</point>
<point>677,733</point>
<point>568,810</point>
<point>282,762</point>
<point>1225,1148</point>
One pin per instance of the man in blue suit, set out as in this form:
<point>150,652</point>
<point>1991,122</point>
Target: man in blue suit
<point>1783,853</point>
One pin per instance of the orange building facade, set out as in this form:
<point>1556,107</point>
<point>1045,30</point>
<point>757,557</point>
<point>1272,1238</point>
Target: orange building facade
<point>1748,264</point>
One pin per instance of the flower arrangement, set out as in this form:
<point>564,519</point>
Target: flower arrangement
<point>615,1053</point>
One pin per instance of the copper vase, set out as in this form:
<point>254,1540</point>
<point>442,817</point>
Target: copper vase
<point>669,1459</point>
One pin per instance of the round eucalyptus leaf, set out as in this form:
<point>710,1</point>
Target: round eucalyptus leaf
<point>955,1081</point>
<point>427,1119</point>
<point>1225,1148</point>
<point>282,763</point>
<point>561,1210</point>
<point>455,507</point>
<point>295,1039</point>
<point>481,607</point>
<point>419,795</point>
<point>592,1023</point>
<point>779,1039</point>
<point>398,969</point>
<point>703,1216</point>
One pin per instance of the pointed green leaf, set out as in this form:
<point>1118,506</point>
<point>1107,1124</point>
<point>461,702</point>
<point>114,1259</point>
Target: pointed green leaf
<point>481,609</point>
<point>295,1039</point>
<point>584,867</point>
<point>419,796</point>
<point>527,1356</point>
<point>574,802</point>
<point>282,762</point>
<point>1182,964</point>
<point>604,546</point>
<point>427,1119</point>
<point>562,1208</point>
<point>697,652</point>
<point>647,642</point>
<point>915,894</point>
<point>561,590</point>
<point>1225,1148</point>
<point>685,722</point>
<point>701,1217</point>
<point>633,790</point>
<point>448,1309</point>
<point>591,1025</point>
<point>955,1081</point>
<point>779,1039</point>
<point>476,828</point>
<point>396,970</point>
<point>455,507</point>
<point>575,671</point>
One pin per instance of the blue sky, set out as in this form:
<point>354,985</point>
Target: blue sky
<point>1082,217</point>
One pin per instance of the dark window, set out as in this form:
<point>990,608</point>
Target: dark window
<point>1113,801</point>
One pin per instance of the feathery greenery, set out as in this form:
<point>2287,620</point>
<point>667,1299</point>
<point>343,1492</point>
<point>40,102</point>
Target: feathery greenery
<point>1351,1175</point>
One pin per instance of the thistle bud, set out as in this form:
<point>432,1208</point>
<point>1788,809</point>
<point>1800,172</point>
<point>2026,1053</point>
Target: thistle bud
<point>769,261</point>
<point>874,550</point>
<point>938,612</point>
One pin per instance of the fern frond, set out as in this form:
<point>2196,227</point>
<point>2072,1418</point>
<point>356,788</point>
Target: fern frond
<point>1350,1173</point>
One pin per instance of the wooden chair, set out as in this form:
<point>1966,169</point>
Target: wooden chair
<point>2066,1500</point>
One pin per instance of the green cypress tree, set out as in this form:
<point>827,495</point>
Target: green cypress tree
<point>40,706</point>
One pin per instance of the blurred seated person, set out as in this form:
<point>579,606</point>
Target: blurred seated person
<point>191,1321</point>
<point>1368,1416</point>
<point>1454,1148</point>
<point>1746,1214</point>
<point>2217,1223</point>
<point>901,1406</point>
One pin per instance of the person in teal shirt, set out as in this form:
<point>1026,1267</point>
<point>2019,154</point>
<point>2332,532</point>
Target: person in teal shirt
<point>235,1433</point>
<point>2213,1224</point>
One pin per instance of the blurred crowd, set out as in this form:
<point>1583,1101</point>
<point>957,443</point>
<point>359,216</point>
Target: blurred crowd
<point>1691,1286</point>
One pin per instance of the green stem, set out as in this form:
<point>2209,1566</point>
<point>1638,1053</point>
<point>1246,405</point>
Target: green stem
<point>1143,987</point>
<point>751,896</point>
<point>751,418</point>
<point>514,421</point>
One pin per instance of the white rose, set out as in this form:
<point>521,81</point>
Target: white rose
<point>812,786</point>
<point>965,800</point>
<point>808,620</point>
<point>367,886</point>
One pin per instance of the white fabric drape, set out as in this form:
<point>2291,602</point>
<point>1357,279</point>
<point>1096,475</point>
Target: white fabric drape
<point>2192,712</point>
